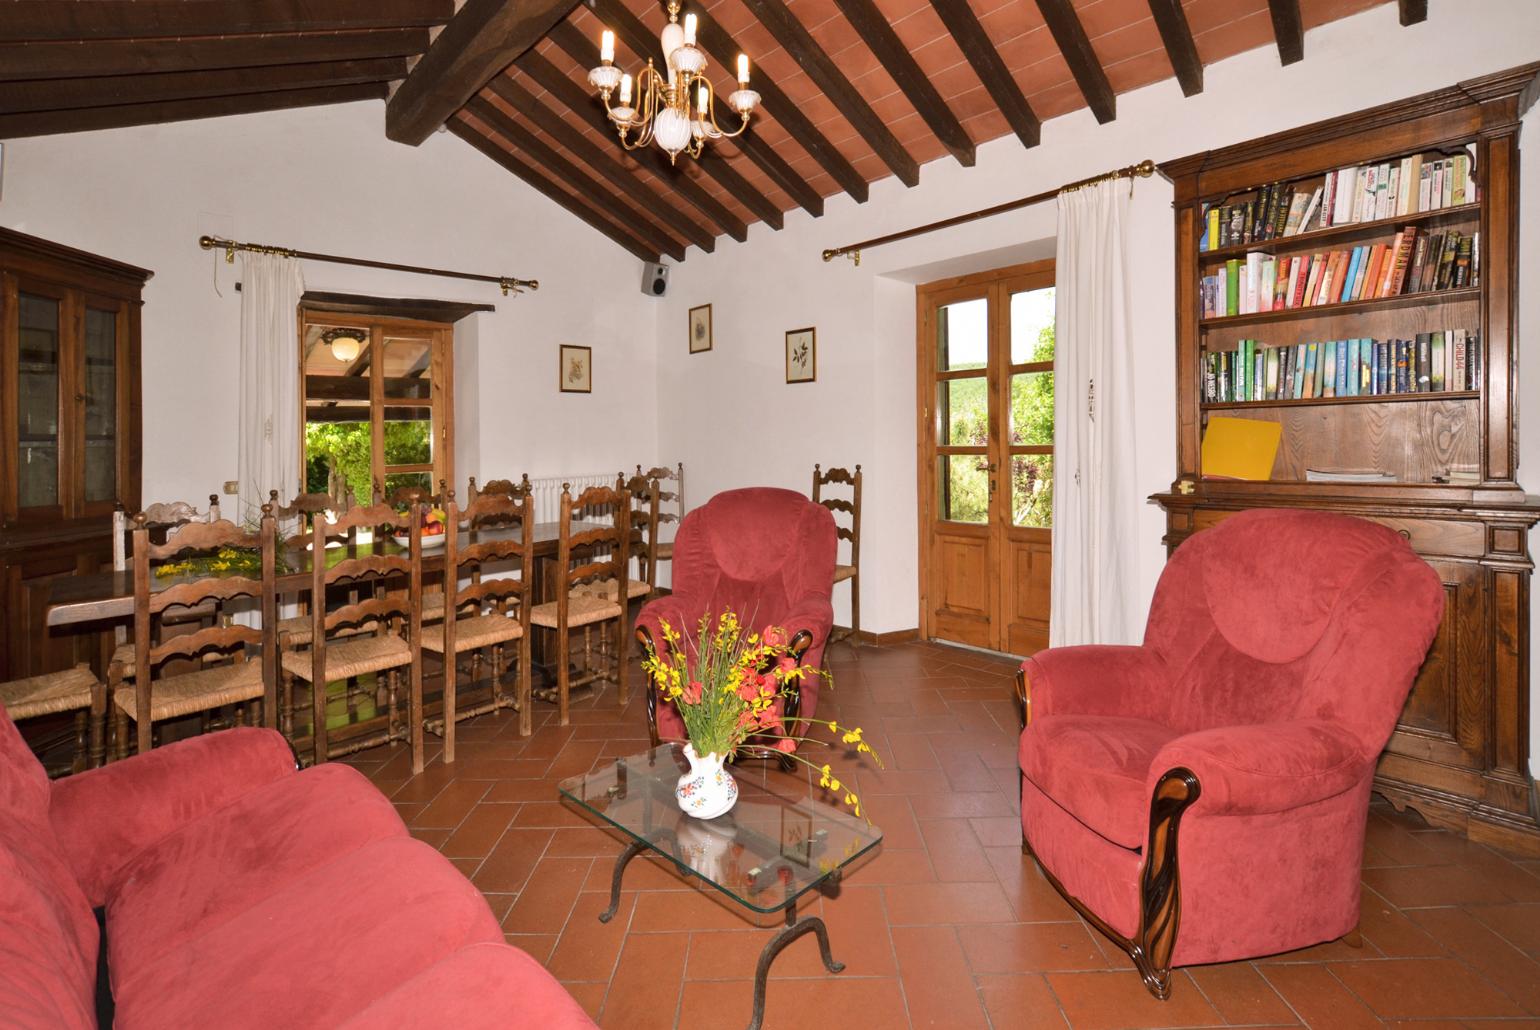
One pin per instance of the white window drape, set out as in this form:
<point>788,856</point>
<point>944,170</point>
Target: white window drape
<point>1095,496</point>
<point>271,289</point>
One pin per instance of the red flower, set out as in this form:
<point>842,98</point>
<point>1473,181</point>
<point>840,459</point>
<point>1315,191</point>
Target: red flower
<point>786,744</point>
<point>748,690</point>
<point>692,692</point>
<point>775,636</point>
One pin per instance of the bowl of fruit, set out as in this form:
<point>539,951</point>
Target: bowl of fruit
<point>433,529</point>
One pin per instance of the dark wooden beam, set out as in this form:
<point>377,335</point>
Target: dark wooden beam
<point>998,81</point>
<point>587,107</point>
<point>775,166</point>
<point>598,159</point>
<point>599,222</point>
<point>1069,34</point>
<point>402,307</point>
<point>873,27</point>
<point>1176,34</point>
<point>45,123</point>
<point>1288,30</point>
<point>777,104</point>
<point>154,56</point>
<point>116,90</point>
<point>481,40</point>
<point>555,164</point>
<point>38,20</point>
<point>804,49</point>
<point>1413,11</point>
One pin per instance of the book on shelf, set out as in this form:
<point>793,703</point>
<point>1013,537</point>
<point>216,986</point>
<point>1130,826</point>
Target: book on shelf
<point>1348,476</point>
<point>1412,262</point>
<point>1445,361</point>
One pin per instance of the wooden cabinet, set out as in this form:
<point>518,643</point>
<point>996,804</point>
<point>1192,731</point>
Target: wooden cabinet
<point>1459,754</point>
<point>69,432</point>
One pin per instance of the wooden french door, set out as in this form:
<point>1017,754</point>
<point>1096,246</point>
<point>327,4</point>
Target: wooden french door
<point>986,457</point>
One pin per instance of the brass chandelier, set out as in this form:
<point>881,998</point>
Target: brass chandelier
<point>676,110</point>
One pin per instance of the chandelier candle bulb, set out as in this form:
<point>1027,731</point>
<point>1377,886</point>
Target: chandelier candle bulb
<point>625,89</point>
<point>743,69</point>
<point>689,29</point>
<point>607,47</point>
<point>705,99</point>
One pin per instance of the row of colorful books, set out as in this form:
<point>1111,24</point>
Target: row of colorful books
<point>1437,362</point>
<point>1358,193</point>
<point>1412,263</point>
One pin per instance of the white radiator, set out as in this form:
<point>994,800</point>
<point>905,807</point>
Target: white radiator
<point>546,491</point>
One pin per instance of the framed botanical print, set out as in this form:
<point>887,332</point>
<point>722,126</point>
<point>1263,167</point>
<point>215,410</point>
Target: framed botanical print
<point>802,355</point>
<point>577,373</point>
<point>700,329</point>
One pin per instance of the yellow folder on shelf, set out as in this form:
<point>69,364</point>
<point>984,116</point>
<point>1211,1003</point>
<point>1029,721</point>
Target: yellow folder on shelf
<point>1240,448</point>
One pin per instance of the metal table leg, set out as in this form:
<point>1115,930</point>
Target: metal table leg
<point>633,849</point>
<point>794,928</point>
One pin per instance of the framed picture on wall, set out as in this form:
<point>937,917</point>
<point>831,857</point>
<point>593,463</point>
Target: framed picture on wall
<point>577,372</point>
<point>700,329</point>
<point>802,355</point>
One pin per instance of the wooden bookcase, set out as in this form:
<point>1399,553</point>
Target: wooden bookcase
<point>1459,754</point>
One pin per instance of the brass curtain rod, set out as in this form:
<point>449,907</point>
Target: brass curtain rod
<point>1142,170</point>
<point>506,283</point>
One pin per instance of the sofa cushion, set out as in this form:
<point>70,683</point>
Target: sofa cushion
<point>482,987</point>
<point>1095,767</point>
<point>215,868</point>
<point>315,952</point>
<point>23,782</point>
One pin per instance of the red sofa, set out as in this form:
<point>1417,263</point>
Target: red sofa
<point>1202,797</point>
<point>766,553</point>
<point>241,893</point>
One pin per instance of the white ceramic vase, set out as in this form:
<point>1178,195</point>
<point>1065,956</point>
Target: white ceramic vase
<point>707,790</point>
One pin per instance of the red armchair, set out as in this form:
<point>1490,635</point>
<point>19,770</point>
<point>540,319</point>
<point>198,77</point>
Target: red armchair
<point>1281,646</point>
<point>766,553</point>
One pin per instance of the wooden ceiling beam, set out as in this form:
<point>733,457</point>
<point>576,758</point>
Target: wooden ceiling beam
<point>598,159</point>
<point>795,39</point>
<point>720,45</point>
<point>44,123</point>
<point>998,81</point>
<point>556,165</point>
<point>587,107</point>
<point>479,42</point>
<point>1064,24</point>
<point>117,90</point>
<point>37,20</point>
<point>594,218</point>
<point>1176,34</point>
<point>1288,30</point>
<point>873,27</point>
<point>776,167</point>
<point>1413,11</point>
<point>141,57</point>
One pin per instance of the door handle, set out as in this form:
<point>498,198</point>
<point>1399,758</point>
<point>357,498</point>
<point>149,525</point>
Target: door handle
<point>982,467</point>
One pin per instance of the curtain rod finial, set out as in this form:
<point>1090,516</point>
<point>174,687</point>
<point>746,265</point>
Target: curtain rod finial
<point>1144,169</point>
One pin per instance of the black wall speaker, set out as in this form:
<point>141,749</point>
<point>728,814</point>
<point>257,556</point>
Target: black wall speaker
<point>654,279</point>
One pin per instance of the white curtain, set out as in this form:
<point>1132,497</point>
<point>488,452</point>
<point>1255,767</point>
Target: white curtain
<point>271,287</point>
<point>1095,497</point>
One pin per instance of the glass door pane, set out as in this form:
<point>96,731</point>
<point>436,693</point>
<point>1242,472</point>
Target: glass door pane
<point>101,400</point>
<point>407,366</point>
<point>339,438</point>
<point>37,397</point>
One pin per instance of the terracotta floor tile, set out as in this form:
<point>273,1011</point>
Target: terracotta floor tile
<point>1426,988</point>
<point>948,923</point>
<point>1020,1001</point>
<point>938,985</point>
<point>1238,992</point>
<point>1103,1001</point>
<point>1318,998</point>
<point>644,991</point>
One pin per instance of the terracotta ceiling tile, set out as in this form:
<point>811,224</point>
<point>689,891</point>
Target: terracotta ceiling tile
<point>1234,37</point>
<point>1141,70</point>
<point>1056,100</point>
<point>1319,12</point>
<point>896,10</point>
<point>1130,41</point>
<point>923,27</point>
<point>1012,20</point>
<point>1207,15</point>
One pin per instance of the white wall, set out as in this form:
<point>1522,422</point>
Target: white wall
<point>728,415</point>
<point>327,180</point>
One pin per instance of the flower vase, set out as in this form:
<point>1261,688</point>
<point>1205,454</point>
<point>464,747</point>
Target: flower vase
<point>707,790</point>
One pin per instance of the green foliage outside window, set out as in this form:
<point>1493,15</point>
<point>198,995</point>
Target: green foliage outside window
<point>340,454</point>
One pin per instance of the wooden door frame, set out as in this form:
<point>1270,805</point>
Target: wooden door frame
<point>924,296</point>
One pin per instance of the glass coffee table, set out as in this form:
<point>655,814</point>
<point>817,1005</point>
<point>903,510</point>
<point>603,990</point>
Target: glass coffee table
<point>764,855</point>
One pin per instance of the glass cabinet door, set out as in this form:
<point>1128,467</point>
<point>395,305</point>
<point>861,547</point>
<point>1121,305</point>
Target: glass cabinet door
<point>39,363</point>
<point>99,392</point>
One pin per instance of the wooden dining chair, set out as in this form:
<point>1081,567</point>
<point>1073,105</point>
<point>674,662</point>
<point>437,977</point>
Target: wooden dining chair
<point>493,610</point>
<point>643,518</point>
<point>248,683</point>
<point>581,558</point>
<point>69,690</point>
<point>159,518</point>
<point>669,491</point>
<point>507,487</point>
<point>852,509</point>
<point>389,623</point>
